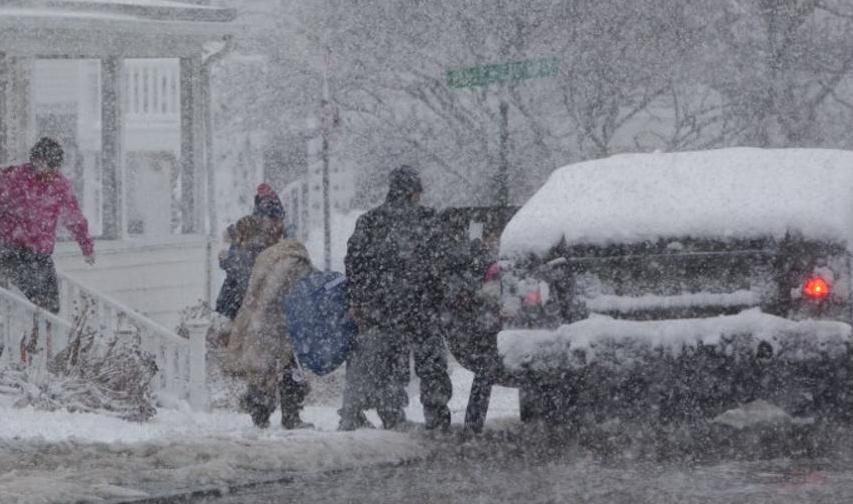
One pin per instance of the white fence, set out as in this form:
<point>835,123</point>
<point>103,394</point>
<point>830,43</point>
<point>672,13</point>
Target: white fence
<point>180,362</point>
<point>19,320</point>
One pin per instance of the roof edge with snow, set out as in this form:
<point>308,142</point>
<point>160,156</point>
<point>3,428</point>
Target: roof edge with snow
<point>101,28</point>
<point>142,9</point>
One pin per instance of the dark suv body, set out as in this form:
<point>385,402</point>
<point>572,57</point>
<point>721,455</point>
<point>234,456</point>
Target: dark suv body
<point>680,327</point>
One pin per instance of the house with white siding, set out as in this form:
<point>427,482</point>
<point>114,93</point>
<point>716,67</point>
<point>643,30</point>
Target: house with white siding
<point>124,86</point>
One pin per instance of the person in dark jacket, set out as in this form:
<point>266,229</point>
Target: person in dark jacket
<point>248,237</point>
<point>394,294</point>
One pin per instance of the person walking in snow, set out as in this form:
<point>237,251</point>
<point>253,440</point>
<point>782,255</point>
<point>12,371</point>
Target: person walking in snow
<point>259,347</point>
<point>34,198</point>
<point>394,292</point>
<point>247,238</point>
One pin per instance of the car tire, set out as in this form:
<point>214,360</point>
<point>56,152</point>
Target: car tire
<point>537,403</point>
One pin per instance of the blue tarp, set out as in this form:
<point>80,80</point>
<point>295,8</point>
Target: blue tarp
<point>319,325</point>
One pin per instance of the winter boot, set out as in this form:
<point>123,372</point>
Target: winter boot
<point>261,419</point>
<point>351,422</point>
<point>291,422</point>
<point>258,406</point>
<point>293,389</point>
<point>392,418</point>
<point>437,418</point>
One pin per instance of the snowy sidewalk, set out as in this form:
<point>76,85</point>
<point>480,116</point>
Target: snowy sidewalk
<point>66,457</point>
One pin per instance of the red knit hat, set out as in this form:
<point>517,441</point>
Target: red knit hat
<point>267,202</point>
<point>265,190</point>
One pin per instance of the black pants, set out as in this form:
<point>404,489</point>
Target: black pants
<point>378,373</point>
<point>260,400</point>
<point>430,356</point>
<point>34,274</point>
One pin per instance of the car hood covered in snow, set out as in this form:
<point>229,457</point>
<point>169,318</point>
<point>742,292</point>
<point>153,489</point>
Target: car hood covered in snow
<point>725,193</point>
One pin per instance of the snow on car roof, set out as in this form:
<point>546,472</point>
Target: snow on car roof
<point>724,193</point>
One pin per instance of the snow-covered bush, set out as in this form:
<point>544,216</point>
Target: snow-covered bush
<point>93,373</point>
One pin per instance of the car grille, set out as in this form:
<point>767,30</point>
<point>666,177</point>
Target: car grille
<point>674,285</point>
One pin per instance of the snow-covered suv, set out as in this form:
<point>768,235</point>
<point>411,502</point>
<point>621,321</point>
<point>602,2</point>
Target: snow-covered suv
<point>680,285</point>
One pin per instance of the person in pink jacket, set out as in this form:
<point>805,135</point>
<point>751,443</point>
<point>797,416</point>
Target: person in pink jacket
<point>34,198</point>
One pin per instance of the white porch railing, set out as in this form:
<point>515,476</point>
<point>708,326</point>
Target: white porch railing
<point>180,362</point>
<point>19,319</point>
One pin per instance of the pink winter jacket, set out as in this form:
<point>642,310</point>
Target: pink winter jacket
<point>31,206</point>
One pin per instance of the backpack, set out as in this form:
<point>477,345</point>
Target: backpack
<point>318,321</point>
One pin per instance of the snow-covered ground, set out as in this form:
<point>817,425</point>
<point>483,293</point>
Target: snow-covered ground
<point>64,457</point>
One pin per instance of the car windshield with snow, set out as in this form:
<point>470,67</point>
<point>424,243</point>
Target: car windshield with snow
<point>683,285</point>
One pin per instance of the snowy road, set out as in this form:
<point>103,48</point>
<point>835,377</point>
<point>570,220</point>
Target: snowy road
<point>500,472</point>
<point>60,457</point>
<point>513,481</point>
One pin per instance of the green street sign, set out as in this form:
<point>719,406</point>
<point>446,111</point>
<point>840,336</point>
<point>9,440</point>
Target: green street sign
<point>498,73</point>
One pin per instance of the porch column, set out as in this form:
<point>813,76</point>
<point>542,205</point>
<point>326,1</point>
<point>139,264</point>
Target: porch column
<point>192,146</point>
<point>4,119</point>
<point>15,109</point>
<point>112,147</point>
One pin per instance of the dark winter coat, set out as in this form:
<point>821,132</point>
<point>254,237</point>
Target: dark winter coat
<point>390,264</point>
<point>247,242</point>
<point>237,264</point>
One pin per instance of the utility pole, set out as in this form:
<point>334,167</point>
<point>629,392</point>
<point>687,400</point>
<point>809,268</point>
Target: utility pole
<point>327,207</point>
<point>502,178</point>
<point>210,199</point>
<point>328,120</point>
<point>4,76</point>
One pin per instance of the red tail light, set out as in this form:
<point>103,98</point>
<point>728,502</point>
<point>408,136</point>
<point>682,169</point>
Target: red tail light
<point>816,288</point>
<point>533,298</point>
<point>493,273</point>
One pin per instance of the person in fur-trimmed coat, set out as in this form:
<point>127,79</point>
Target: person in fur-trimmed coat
<point>259,348</point>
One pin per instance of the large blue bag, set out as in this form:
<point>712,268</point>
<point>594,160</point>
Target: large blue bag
<point>318,321</point>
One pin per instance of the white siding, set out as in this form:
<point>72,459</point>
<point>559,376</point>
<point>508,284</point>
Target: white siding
<point>156,279</point>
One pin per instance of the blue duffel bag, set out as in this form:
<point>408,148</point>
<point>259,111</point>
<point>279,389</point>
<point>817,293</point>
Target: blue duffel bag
<point>318,321</point>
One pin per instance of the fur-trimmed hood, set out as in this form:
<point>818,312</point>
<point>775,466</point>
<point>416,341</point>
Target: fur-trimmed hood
<point>259,337</point>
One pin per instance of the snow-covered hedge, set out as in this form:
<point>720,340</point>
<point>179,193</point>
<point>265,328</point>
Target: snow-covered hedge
<point>91,374</point>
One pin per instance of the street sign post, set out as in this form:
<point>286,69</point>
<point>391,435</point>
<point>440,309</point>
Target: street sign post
<point>501,74</point>
<point>329,120</point>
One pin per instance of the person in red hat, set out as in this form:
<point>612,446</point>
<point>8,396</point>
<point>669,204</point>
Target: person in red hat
<point>260,264</point>
<point>34,198</point>
<point>247,238</point>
